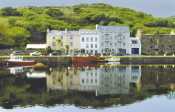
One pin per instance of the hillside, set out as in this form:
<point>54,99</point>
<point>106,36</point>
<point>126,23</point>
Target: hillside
<point>28,24</point>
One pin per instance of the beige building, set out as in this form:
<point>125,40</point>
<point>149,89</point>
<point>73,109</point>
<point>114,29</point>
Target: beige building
<point>67,40</point>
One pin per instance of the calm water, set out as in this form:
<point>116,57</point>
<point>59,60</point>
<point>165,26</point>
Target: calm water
<point>90,88</point>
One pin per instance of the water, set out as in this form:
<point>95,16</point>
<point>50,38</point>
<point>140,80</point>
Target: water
<point>90,88</point>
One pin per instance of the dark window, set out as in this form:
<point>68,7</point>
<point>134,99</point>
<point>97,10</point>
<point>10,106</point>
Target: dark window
<point>82,39</point>
<point>87,39</point>
<point>134,41</point>
<point>95,45</point>
<point>123,51</point>
<point>87,46</point>
<point>96,39</point>
<point>91,39</point>
<point>135,50</point>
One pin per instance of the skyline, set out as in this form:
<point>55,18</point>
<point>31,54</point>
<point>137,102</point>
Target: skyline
<point>160,8</point>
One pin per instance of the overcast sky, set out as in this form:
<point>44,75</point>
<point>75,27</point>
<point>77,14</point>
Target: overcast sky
<point>161,8</point>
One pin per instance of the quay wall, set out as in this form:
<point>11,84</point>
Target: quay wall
<point>49,60</point>
<point>148,60</point>
<point>62,60</point>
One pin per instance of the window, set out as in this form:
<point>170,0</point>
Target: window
<point>96,39</point>
<point>71,37</point>
<point>91,74</point>
<point>91,39</point>
<point>91,45</point>
<point>87,81</point>
<point>96,74</point>
<point>54,44</point>
<point>82,80</point>
<point>135,50</point>
<point>96,51</point>
<point>124,44</point>
<point>95,80</point>
<point>87,51</point>
<point>95,45</point>
<point>71,44</point>
<point>87,39</point>
<point>82,39</point>
<point>115,44</point>
<point>119,41</point>
<point>87,46</point>
<point>101,44</point>
<point>134,41</point>
<point>87,73</point>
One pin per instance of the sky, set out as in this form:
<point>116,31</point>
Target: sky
<point>159,8</point>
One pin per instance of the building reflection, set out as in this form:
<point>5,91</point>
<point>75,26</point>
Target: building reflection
<point>103,80</point>
<point>63,79</point>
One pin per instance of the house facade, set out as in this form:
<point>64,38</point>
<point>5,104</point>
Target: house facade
<point>114,39</point>
<point>63,40</point>
<point>89,41</point>
<point>108,40</point>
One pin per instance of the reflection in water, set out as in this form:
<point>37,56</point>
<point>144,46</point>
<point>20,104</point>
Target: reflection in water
<point>102,80</point>
<point>96,86</point>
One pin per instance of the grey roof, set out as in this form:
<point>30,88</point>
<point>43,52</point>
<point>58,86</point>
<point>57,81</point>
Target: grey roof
<point>113,28</point>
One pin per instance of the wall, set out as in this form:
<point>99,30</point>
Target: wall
<point>158,44</point>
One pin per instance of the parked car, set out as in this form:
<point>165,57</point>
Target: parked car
<point>55,53</point>
<point>36,53</point>
<point>18,52</point>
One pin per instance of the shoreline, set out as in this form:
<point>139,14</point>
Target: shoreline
<point>57,60</point>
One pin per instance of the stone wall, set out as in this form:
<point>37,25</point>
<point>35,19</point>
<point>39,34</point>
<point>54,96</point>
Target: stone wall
<point>158,44</point>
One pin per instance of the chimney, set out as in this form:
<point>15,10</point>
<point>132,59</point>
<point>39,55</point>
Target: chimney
<point>48,30</point>
<point>96,26</point>
<point>66,30</point>
<point>139,33</point>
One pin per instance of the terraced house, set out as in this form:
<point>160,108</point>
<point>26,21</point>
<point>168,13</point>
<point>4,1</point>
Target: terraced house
<point>106,40</point>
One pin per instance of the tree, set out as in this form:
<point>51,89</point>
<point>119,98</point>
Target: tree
<point>19,35</point>
<point>9,11</point>
<point>54,12</point>
<point>3,27</point>
<point>59,45</point>
<point>48,50</point>
<point>67,49</point>
<point>4,40</point>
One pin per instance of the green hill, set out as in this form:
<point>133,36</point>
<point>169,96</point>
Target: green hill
<point>19,26</point>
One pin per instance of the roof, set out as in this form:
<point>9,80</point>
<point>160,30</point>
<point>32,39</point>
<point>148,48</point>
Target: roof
<point>113,28</point>
<point>36,46</point>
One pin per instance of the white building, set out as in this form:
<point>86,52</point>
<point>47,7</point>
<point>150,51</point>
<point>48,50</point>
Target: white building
<point>36,46</point>
<point>134,46</point>
<point>114,39</point>
<point>109,40</point>
<point>89,41</point>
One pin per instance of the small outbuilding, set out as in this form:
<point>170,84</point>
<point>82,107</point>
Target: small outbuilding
<point>36,46</point>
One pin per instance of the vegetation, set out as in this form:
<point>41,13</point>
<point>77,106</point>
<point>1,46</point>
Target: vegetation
<point>19,26</point>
